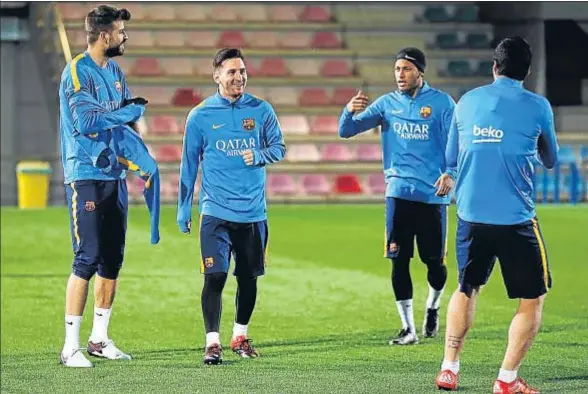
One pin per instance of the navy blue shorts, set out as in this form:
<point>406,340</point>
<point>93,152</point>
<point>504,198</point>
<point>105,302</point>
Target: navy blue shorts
<point>407,220</point>
<point>519,248</point>
<point>246,242</point>
<point>98,221</point>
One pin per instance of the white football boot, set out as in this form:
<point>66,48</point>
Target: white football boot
<point>75,359</point>
<point>108,350</point>
<point>406,336</point>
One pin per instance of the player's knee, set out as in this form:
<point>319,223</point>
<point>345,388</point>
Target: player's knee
<point>400,265</point>
<point>215,281</point>
<point>248,281</point>
<point>470,290</point>
<point>110,271</point>
<point>437,274</point>
<point>85,267</point>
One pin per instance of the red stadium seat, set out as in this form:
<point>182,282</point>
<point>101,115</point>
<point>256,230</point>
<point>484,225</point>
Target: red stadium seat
<point>201,39</point>
<point>316,184</point>
<point>315,14</point>
<point>273,67</point>
<point>369,152</point>
<point>163,124</point>
<point>231,39</point>
<point>147,67</point>
<point>336,68</point>
<point>185,97</point>
<point>336,152</point>
<point>342,95</point>
<point>294,124</point>
<point>347,184</point>
<point>281,184</point>
<point>138,11</point>
<point>303,153</point>
<point>326,40</point>
<point>324,124</point>
<point>174,39</point>
<point>377,183</point>
<point>167,153</point>
<point>314,97</point>
<point>283,13</point>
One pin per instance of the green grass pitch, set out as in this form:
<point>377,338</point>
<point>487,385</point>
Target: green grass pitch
<point>324,315</point>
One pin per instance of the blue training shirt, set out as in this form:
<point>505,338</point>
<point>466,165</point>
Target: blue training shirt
<point>497,134</point>
<point>218,131</point>
<point>90,99</point>
<point>414,137</point>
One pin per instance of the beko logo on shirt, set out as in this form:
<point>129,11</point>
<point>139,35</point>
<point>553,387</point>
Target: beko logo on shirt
<point>411,131</point>
<point>235,146</point>
<point>488,134</point>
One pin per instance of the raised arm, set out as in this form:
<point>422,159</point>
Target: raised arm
<point>191,156</point>
<point>353,122</point>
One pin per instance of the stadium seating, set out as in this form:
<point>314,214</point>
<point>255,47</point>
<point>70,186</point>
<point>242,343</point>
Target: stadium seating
<point>281,184</point>
<point>299,58</point>
<point>315,184</point>
<point>347,184</point>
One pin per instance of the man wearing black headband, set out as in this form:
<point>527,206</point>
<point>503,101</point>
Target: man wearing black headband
<point>415,121</point>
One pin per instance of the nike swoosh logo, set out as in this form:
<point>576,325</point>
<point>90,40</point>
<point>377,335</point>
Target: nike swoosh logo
<point>70,323</point>
<point>397,111</point>
<point>217,126</point>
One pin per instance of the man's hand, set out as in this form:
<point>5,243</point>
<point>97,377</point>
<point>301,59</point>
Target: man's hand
<point>135,100</point>
<point>444,184</point>
<point>185,226</point>
<point>248,157</point>
<point>357,103</point>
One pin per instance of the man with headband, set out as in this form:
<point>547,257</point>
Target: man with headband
<point>415,121</point>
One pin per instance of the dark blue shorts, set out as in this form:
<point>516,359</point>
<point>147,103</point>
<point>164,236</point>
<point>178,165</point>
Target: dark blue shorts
<point>407,220</point>
<point>519,248</point>
<point>98,221</point>
<point>246,242</point>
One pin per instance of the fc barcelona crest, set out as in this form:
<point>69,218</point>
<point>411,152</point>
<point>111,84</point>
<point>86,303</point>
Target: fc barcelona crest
<point>90,206</point>
<point>118,86</point>
<point>426,111</point>
<point>208,262</point>
<point>248,124</point>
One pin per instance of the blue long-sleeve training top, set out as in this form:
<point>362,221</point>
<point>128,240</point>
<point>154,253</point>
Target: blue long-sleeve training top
<point>414,137</point>
<point>218,131</point>
<point>497,134</point>
<point>90,99</point>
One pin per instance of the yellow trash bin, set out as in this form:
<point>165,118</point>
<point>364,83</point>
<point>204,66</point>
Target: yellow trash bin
<point>33,183</point>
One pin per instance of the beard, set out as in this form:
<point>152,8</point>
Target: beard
<point>115,51</point>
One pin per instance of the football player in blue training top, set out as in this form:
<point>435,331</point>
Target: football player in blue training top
<point>94,100</point>
<point>234,135</point>
<point>415,122</point>
<point>498,133</point>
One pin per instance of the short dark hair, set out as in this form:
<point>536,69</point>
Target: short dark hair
<point>225,54</point>
<point>513,58</point>
<point>101,18</point>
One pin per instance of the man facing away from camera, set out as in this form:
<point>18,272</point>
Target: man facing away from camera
<point>415,122</point>
<point>232,135</point>
<point>498,133</point>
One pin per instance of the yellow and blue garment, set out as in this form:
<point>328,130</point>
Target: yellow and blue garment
<point>124,149</point>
